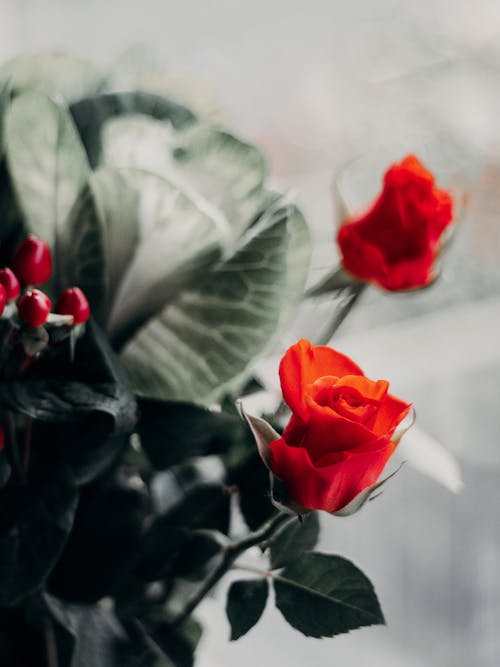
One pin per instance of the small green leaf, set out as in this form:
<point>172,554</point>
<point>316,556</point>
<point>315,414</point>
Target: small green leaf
<point>47,163</point>
<point>55,74</point>
<point>298,537</point>
<point>246,600</point>
<point>322,596</point>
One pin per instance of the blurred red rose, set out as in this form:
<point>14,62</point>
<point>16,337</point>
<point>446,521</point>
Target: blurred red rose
<point>396,242</point>
<point>341,432</point>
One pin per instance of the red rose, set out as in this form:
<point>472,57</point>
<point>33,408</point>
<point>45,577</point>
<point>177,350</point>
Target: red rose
<point>339,437</point>
<point>396,242</point>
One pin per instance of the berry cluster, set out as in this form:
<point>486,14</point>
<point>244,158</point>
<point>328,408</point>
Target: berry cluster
<point>31,265</point>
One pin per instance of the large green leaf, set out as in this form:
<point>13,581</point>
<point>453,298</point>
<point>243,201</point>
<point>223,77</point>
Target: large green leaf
<point>323,596</point>
<point>91,114</point>
<point>136,240</point>
<point>56,74</point>
<point>246,600</point>
<point>290,543</point>
<point>226,171</point>
<point>204,342</point>
<point>47,164</point>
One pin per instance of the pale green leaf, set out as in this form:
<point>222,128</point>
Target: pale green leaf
<point>207,338</point>
<point>137,240</point>
<point>56,74</point>
<point>5,92</point>
<point>47,164</point>
<point>216,165</point>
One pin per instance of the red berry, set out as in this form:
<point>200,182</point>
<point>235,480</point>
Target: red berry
<point>9,280</point>
<point>34,308</point>
<point>3,298</point>
<point>32,261</point>
<point>73,302</point>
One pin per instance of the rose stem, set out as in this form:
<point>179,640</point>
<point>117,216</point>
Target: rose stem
<point>27,444</point>
<point>350,296</point>
<point>229,554</point>
<point>13,445</point>
<point>50,644</point>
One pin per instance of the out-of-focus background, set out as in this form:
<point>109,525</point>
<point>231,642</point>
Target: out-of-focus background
<point>331,88</point>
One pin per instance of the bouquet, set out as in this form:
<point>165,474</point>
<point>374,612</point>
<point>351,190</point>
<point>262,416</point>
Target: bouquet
<point>148,266</point>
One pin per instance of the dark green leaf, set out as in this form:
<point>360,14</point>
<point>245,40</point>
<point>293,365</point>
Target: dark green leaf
<point>179,644</point>
<point>205,507</point>
<point>86,403</point>
<point>35,522</point>
<point>106,533</point>
<point>172,431</point>
<point>323,595</point>
<point>251,478</point>
<point>196,552</point>
<point>296,538</point>
<point>91,114</point>
<point>246,601</point>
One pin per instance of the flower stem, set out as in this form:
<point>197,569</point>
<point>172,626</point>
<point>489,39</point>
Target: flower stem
<point>230,553</point>
<point>349,296</point>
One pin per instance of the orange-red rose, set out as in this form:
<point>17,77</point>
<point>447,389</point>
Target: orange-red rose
<point>340,435</point>
<point>396,242</point>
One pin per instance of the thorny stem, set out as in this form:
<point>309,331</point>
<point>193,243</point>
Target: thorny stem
<point>230,553</point>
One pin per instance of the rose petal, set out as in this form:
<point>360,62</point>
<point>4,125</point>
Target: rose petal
<point>302,364</point>
<point>331,487</point>
<point>391,413</point>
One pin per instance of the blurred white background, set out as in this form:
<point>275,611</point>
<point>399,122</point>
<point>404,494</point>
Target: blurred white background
<point>317,84</point>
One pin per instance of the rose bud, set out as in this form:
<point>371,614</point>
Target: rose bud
<point>341,433</point>
<point>396,242</point>
<point>73,302</point>
<point>34,308</point>
<point>3,298</point>
<point>11,284</point>
<point>32,261</point>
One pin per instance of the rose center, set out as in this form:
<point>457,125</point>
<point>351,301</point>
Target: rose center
<point>346,401</point>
